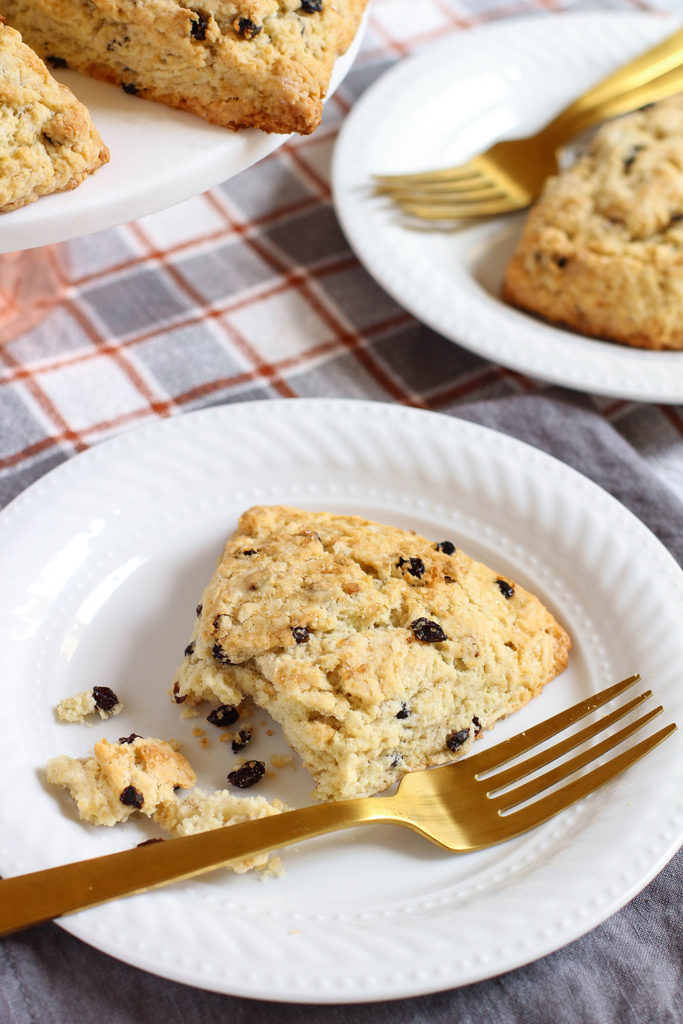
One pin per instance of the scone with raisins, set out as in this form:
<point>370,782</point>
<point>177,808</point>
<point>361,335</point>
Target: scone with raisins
<point>602,249</point>
<point>48,142</point>
<point>237,63</point>
<point>378,651</point>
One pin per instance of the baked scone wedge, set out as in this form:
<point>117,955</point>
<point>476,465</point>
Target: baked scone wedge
<point>48,142</point>
<point>238,63</point>
<point>602,249</point>
<point>378,651</point>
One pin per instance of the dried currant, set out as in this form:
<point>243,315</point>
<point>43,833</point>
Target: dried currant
<point>131,797</point>
<point>220,655</point>
<point>404,712</point>
<point>427,631</point>
<point>105,698</point>
<point>148,842</point>
<point>416,566</point>
<point>247,774</point>
<point>56,62</point>
<point>446,546</point>
<point>506,589</point>
<point>198,28</point>
<point>198,610</point>
<point>241,739</point>
<point>189,649</point>
<point>223,716</point>
<point>129,739</point>
<point>246,28</point>
<point>311,6</point>
<point>130,87</point>
<point>560,261</point>
<point>629,159</point>
<point>455,739</point>
<point>300,634</point>
<point>249,551</point>
<point>176,693</point>
<point>478,727</point>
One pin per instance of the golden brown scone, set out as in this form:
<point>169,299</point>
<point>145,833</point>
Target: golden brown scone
<point>602,250</point>
<point>138,774</point>
<point>48,142</point>
<point>237,63</point>
<point>378,651</point>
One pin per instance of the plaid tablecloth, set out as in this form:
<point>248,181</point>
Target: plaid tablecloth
<point>251,291</point>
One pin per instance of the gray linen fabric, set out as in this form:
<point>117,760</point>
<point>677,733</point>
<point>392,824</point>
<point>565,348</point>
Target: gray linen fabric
<point>627,971</point>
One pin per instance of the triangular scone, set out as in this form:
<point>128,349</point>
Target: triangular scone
<point>47,141</point>
<point>237,63</point>
<point>602,249</point>
<point>378,651</point>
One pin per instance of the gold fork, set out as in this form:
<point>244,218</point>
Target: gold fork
<point>459,807</point>
<point>510,174</point>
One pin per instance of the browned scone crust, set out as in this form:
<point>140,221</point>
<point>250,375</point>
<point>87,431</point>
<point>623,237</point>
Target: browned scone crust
<point>48,142</point>
<point>378,651</point>
<point>602,250</point>
<point>236,63</point>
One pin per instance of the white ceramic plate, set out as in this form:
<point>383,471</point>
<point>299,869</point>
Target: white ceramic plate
<point>159,157</point>
<point>440,107</point>
<point>102,563</point>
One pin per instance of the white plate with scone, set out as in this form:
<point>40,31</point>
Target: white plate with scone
<point>103,562</point>
<point>437,109</point>
<point>158,157</point>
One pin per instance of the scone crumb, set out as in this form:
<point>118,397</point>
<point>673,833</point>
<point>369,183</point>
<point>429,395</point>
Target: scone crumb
<point>281,760</point>
<point>273,869</point>
<point>200,811</point>
<point>81,706</point>
<point>190,711</point>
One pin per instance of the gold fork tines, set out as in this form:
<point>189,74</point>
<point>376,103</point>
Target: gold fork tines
<point>510,175</point>
<point>471,804</point>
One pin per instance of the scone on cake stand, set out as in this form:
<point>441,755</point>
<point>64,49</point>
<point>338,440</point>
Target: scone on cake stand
<point>48,145</point>
<point>166,121</point>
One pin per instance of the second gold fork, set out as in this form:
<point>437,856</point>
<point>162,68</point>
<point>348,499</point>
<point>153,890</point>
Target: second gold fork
<point>510,174</point>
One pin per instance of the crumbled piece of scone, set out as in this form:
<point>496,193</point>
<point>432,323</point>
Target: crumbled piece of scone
<point>143,774</point>
<point>101,700</point>
<point>378,651</point>
<point>121,778</point>
<point>200,811</point>
<point>281,760</point>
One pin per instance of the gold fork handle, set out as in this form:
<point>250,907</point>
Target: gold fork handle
<point>42,895</point>
<point>650,65</point>
<point>650,92</point>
